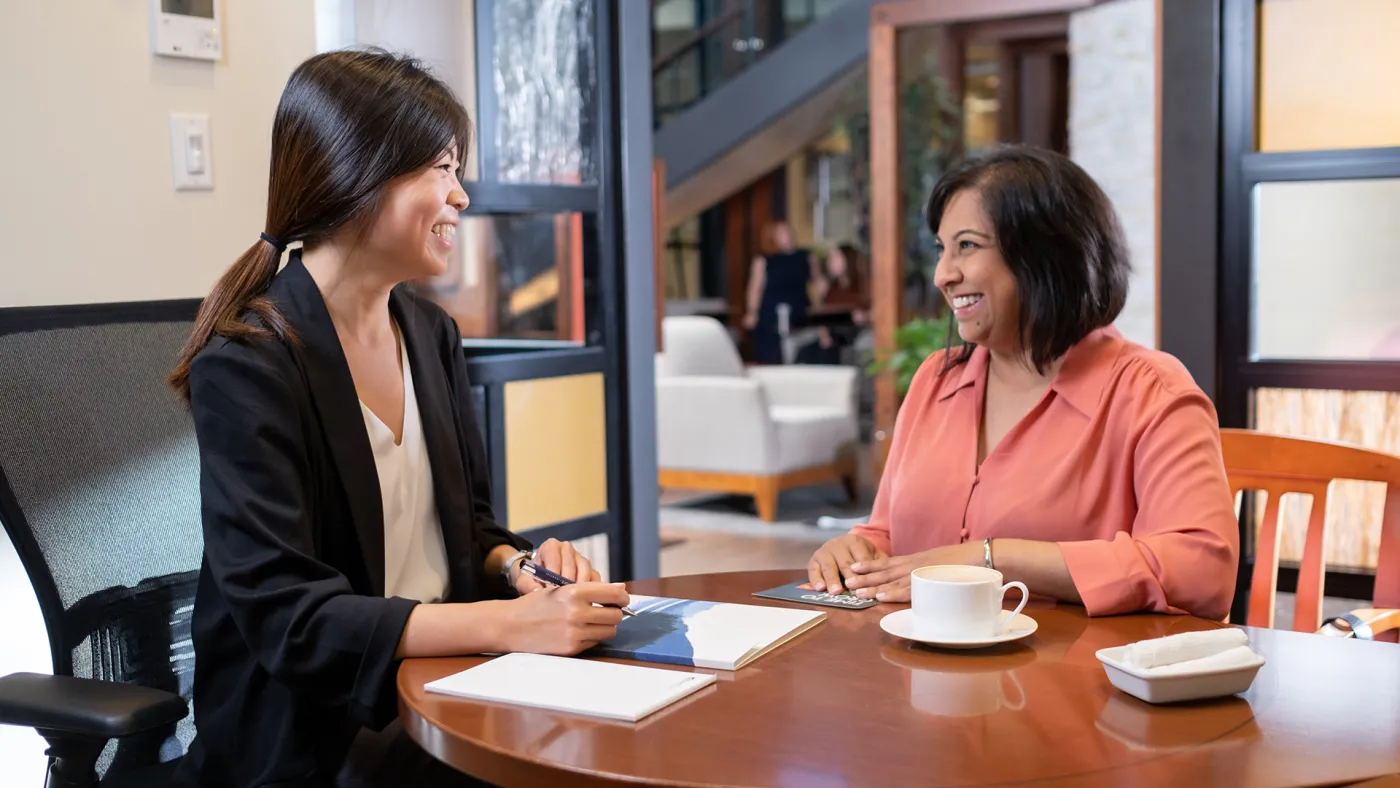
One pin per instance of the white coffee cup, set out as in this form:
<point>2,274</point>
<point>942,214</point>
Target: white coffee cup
<point>959,603</point>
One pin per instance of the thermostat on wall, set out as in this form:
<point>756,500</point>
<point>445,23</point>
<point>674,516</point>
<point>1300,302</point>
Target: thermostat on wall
<point>186,28</point>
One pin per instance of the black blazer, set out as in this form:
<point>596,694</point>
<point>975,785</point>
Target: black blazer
<point>294,641</point>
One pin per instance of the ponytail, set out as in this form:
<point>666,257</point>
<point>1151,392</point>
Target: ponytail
<point>241,289</point>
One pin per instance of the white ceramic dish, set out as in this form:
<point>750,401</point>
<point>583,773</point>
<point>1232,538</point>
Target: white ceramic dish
<point>1175,688</point>
<point>901,624</point>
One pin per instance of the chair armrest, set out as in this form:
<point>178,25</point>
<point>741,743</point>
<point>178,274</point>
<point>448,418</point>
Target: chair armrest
<point>1363,623</point>
<point>821,385</point>
<point>719,424</point>
<point>86,707</point>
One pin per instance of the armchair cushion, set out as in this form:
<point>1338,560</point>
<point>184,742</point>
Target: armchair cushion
<point>810,435</point>
<point>84,706</point>
<point>817,385</point>
<point>716,424</point>
<point>697,346</point>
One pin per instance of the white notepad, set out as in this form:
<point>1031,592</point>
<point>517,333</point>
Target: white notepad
<point>579,686</point>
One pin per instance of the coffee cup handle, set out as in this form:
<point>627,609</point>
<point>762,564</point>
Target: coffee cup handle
<point>1025,595</point>
<point>1020,693</point>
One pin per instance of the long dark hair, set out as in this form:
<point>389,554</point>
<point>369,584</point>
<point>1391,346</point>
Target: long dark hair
<point>1059,235</point>
<point>855,267</point>
<point>348,123</point>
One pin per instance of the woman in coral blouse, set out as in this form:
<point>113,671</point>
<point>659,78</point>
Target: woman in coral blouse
<point>1046,446</point>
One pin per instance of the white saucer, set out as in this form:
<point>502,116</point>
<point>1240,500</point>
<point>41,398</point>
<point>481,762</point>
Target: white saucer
<point>901,624</point>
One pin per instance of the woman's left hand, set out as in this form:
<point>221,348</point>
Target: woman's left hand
<point>560,558</point>
<point>887,579</point>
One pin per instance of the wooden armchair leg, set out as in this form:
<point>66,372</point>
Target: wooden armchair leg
<point>850,479</point>
<point>765,497</point>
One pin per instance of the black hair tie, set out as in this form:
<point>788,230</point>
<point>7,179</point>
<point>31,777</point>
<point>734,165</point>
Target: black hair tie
<point>276,244</point>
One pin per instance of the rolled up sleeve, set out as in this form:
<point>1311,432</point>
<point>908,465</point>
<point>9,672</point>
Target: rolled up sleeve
<point>1182,553</point>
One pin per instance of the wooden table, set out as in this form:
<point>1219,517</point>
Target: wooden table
<point>848,705</point>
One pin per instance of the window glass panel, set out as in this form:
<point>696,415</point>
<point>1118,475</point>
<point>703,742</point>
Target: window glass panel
<point>1328,70</point>
<point>520,276</point>
<point>546,91</point>
<point>981,87</point>
<point>1325,273</point>
<point>1370,419</point>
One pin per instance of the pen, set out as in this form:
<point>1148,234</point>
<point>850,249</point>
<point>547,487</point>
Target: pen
<point>545,576</point>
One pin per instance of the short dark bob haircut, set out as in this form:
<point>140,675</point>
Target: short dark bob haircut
<point>1059,235</point>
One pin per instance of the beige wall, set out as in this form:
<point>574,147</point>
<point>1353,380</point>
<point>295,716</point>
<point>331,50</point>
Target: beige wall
<point>87,207</point>
<point>1113,135</point>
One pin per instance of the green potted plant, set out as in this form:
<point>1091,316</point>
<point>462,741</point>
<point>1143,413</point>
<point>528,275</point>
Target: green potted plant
<point>914,341</point>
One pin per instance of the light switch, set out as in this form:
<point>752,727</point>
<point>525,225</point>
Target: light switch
<point>194,153</point>
<point>191,160</point>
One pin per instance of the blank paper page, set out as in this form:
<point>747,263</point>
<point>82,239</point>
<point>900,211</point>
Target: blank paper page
<point>579,686</point>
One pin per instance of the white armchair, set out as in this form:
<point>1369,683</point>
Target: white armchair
<point>756,431</point>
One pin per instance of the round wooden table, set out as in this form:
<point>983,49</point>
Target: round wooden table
<point>848,705</point>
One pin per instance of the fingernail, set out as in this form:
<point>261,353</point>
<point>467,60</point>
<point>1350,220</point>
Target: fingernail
<point>818,587</point>
<point>858,566</point>
<point>881,596</point>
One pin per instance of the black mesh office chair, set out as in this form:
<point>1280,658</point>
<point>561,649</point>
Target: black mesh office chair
<point>99,492</point>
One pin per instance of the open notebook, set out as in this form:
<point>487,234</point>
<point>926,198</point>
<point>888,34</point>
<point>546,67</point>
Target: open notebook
<point>719,635</point>
<point>579,686</point>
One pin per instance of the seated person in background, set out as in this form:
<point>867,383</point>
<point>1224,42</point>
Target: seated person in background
<point>845,289</point>
<point>1046,446</point>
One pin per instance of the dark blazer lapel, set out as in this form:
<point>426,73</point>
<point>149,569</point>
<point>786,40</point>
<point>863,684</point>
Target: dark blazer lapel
<point>440,434</point>
<point>335,400</point>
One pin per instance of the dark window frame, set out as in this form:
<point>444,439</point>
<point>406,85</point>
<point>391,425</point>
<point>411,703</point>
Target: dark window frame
<point>606,350</point>
<point>1242,167</point>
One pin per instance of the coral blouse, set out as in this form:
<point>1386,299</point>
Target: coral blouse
<point>1119,462</point>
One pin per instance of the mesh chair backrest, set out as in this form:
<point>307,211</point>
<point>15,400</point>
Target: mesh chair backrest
<point>99,489</point>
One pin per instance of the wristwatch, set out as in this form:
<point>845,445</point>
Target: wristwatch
<point>510,563</point>
<point>1346,626</point>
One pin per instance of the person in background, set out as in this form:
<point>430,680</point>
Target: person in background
<point>846,281</point>
<point>346,506</point>
<point>1046,446</point>
<point>845,289</point>
<point>787,276</point>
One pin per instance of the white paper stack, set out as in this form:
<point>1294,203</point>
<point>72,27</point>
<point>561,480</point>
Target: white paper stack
<point>578,686</point>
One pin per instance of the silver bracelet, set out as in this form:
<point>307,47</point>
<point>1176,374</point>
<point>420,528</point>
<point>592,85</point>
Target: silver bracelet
<point>987,553</point>
<point>512,561</point>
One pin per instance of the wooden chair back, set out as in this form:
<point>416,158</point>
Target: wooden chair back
<point>1276,465</point>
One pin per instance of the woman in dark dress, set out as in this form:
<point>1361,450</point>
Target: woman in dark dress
<point>783,277</point>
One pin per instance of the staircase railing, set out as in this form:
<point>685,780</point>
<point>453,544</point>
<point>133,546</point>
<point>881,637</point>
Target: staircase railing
<point>723,39</point>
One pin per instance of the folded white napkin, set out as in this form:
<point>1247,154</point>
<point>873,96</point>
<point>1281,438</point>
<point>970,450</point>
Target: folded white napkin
<point>1186,647</point>
<point>1237,657</point>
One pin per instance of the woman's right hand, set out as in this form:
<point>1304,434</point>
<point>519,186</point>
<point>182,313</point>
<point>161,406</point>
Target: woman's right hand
<point>833,560</point>
<point>564,621</point>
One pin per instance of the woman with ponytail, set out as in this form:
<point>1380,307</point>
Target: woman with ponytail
<point>346,505</point>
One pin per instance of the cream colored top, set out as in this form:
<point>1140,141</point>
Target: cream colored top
<point>415,561</point>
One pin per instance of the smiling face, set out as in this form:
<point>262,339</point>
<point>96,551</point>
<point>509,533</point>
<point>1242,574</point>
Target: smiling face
<point>416,226</point>
<point>974,277</point>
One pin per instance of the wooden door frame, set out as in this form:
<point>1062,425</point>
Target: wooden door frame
<point>887,236</point>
